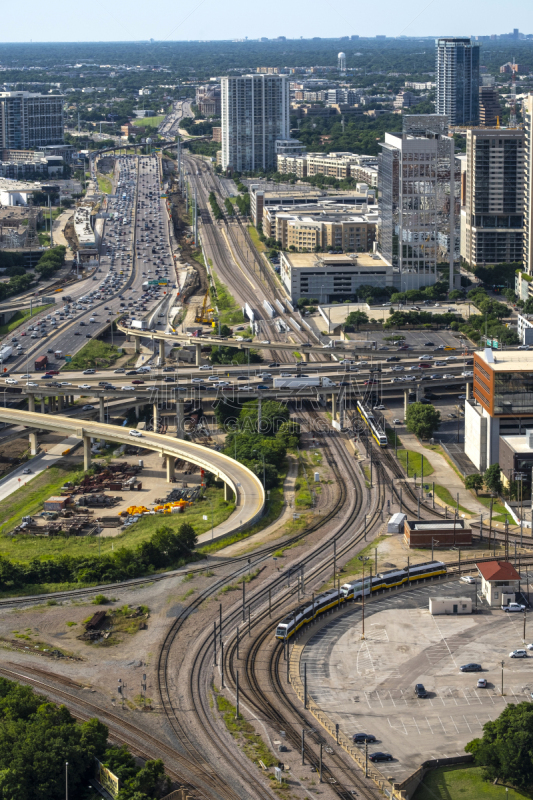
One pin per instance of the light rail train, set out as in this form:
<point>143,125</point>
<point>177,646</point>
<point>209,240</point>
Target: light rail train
<point>325,601</point>
<point>372,424</point>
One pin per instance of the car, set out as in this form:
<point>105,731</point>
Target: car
<point>76,333</point>
<point>380,757</point>
<point>88,336</point>
<point>518,654</point>
<point>397,421</point>
<point>482,683</point>
<point>472,667</point>
<point>206,367</point>
<point>363,737</point>
<point>384,348</point>
<point>428,344</point>
<point>83,386</point>
<point>119,371</point>
<point>87,408</point>
<point>468,579</point>
<point>420,690</point>
<point>169,379</point>
<point>523,347</point>
<point>32,383</point>
<point>274,365</point>
<point>137,382</point>
<point>26,471</point>
<point>379,408</point>
<point>197,380</point>
<point>11,381</point>
<point>510,607</point>
<point>213,378</point>
<point>135,433</point>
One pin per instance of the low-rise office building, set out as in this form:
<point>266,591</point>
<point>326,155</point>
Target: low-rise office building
<point>500,582</point>
<point>329,277</point>
<point>349,232</point>
<point>444,533</point>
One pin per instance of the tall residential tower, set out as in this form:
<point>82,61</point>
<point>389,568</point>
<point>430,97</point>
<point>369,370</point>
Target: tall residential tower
<point>457,70</point>
<point>255,113</point>
<point>29,121</point>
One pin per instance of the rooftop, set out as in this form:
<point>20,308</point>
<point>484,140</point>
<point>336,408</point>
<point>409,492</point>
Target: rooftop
<point>322,260</point>
<point>435,525</point>
<point>498,571</point>
<point>506,360</point>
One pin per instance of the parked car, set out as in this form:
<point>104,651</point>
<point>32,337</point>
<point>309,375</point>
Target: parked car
<point>472,667</point>
<point>518,654</point>
<point>380,757</point>
<point>420,690</point>
<point>357,738</point>
<point>510,607</point>
<point>468,579</point>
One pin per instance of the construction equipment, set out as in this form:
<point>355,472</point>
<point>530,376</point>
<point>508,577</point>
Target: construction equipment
<point>204,316</point>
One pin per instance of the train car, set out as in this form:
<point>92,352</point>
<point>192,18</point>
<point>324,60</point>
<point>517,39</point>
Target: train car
<point>393,577</point>
<point>306,613</point>
<point>370,421</point>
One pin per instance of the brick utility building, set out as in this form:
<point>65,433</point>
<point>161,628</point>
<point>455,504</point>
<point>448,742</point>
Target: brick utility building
<point>500,582</point>
<point>445,534</point>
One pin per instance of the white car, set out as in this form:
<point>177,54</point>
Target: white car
<point>467,374</point>
<point>206,367</point>
<point>138,434</point>
<point>11,380</point>
<point>32,383</point>
<point>523,347</point>
<point>84,386</point>
<point>468,579</point>
<point>397,421</point>
<point>213,378</point>
<point>197,380</point>
<point>518,654</point>
<point>127,388</point>
<point>379,408</point>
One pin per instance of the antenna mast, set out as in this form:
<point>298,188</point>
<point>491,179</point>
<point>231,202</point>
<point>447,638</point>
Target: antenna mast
<point>512,116</point>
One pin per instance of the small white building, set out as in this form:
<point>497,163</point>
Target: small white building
<point>500,582</point>
<point>450,605</point>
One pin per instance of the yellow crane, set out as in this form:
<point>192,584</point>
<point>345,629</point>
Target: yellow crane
<point>204,316</point>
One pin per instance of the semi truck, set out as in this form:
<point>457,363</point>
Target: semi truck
<point>140,324</point>
<point>302,383</point>
<point>5,353</point>
<point>41,363</point>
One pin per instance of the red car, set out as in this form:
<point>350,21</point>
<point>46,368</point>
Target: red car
<point>137,382</point>
<point>424,366</point>
<point>369,383</point>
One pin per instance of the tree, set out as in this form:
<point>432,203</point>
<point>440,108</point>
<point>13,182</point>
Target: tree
<point>456,294</point>
<point>422,420</point>
<point>492,479</point>
<point>356,318</point>
<point>474,482</point>
<point>504,750</point>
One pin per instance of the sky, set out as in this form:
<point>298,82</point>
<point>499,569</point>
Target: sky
<point>129,20</point>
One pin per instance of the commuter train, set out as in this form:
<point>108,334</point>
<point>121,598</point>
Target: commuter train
<point>369,420</point>
<point>310,610</point>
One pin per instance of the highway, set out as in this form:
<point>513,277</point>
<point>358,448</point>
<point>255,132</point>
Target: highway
<point>248,490</point>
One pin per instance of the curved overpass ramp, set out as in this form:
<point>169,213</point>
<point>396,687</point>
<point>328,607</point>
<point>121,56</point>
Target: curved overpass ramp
<point>248,489</point>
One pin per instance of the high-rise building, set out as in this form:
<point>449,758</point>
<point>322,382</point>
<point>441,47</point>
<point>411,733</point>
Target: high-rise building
<point>29,121</point>
<point>416,179</point>
<point>490,109</point>
<point>528,186</point>
<point>492,213</point>
<point>457,70</point>
<point>255,113</point>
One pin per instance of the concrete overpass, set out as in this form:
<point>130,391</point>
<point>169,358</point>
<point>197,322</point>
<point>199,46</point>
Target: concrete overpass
<point>247,488</point>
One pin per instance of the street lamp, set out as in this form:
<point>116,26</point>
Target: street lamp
<point>363,559</point>
<point>433,541</point>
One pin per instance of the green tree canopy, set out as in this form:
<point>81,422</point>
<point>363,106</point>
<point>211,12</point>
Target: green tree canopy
<point>422,420</point>
<point>474,482</point>
<point>492,479</point>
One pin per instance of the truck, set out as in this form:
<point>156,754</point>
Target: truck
<point>302,383</point>
<point>41,363</point>
<point>140,324</point>
<point>58,353</point>
<point>5,353</point>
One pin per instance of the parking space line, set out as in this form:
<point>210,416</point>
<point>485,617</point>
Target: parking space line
<point>429,726</point>
<point>442,724</point>
<point>456,728</point>
<point>468,724</point>
<point>394,728</point>
<point>416,723</point>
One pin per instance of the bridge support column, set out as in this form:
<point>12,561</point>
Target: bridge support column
<point>42,406</point>
<point>180,414</point>
<point>162,352</point>
<point>60,402</point>
<point>228,493</point>
<point>405,402</point>
<point>33,444</point>
<point>334,406</point>
<point>305,357</point>
<point>86,452</point>
<point>198,354</point>
<point>72,399</point>
<point>468,391</point>
<point>170,468</point>
<point>156,417</point>
<point>102,409</point>
<point>137,344</point>
<point>31,403</point>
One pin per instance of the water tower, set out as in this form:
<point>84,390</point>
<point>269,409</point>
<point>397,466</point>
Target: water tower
<point>342,62</point>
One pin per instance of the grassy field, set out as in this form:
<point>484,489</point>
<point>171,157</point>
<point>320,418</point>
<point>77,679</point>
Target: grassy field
<point>230,311</point>
<point>446,497</point>
<point>20,318</point>
<point>152,122</point>
<point>95,354</point>
<point>104,184</point>
<point>415,463</point>
<point>30,499</point>
<point>499,514</point>
<point>254,236</point>
<point>456,783</point>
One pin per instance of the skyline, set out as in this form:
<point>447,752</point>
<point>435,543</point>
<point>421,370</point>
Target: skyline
<point>207,21</point>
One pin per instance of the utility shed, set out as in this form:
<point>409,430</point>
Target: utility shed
<point>450,605</point>
<point>395,524</point>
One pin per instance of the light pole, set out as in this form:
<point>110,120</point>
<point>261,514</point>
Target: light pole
<point>433,541</point>
<point>363,559</point>
<point>66,780</point>
<point>502,663</point>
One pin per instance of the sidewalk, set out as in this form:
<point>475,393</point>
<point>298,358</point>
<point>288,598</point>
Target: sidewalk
<point>443,474</point>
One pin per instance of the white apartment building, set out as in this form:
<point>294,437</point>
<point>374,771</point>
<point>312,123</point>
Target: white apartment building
<point>527,255</point>
<point>255,113</point>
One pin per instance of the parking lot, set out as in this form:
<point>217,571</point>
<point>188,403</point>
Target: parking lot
<point>367,685</point>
